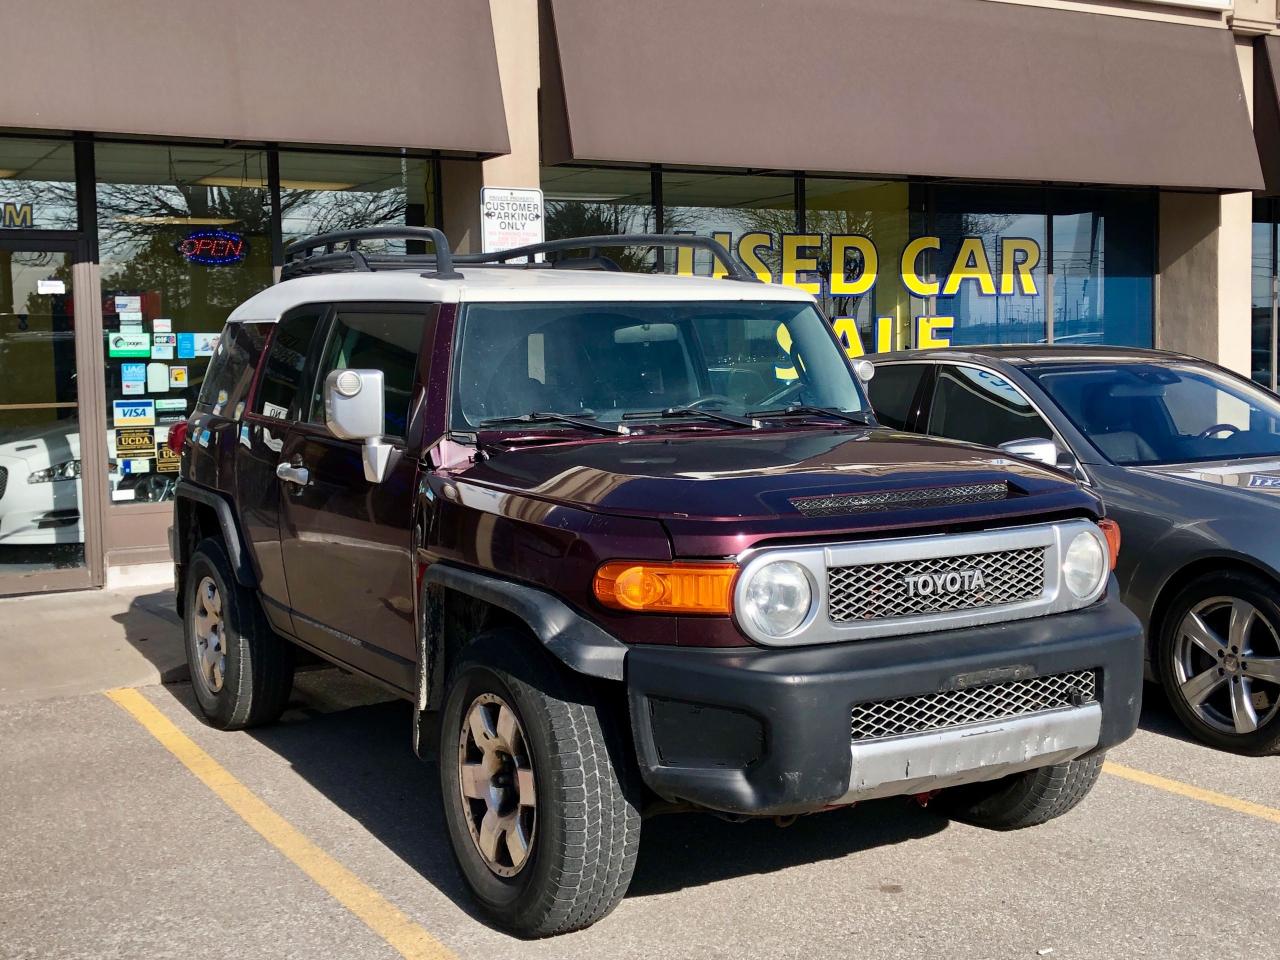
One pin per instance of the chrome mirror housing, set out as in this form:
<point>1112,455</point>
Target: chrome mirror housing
<point>865,369</point>
<point>1035,448</point>
<point>353,409</point>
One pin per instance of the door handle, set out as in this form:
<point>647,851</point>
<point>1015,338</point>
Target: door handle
<point>291,474</point>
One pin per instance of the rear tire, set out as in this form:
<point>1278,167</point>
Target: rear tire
<point>549,775</point>
<point>1224,685</point>
<point>241,669</point>
<point>1025,799</point>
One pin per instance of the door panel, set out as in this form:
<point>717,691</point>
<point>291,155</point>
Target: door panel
<point>346,542</point>
<point>276,404</point>
<point>347,550</point>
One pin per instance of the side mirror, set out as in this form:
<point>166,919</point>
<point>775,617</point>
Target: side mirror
<point>1035,448</point>
<point>353,410</point>
<point>865,370</point>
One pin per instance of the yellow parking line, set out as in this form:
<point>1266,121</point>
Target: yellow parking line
<point>1194,793</point>
<point>382,917</point>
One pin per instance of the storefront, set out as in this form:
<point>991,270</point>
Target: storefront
<point>122,251</point>
<point>974,171</point>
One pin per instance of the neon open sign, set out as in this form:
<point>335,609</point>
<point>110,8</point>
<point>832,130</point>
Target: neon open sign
<point>214,248</point>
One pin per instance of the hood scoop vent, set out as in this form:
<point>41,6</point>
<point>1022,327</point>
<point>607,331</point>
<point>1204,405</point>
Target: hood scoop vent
<point>832,505</point>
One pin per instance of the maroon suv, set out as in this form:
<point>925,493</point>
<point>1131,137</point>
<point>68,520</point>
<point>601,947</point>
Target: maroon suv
<point>636,541</point>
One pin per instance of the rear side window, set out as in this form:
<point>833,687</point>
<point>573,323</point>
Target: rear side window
<point>363,339</point>
<point>226,382</point>
<point>893,389</point>
<point>278,393</point>
<point>982,407</point>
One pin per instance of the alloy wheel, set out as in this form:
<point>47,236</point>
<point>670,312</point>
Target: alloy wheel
<point>211,646</point>
<point>496,782</point>
<point>1227,664</point>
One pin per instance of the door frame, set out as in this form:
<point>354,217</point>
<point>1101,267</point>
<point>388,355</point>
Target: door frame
<point>90,377</point>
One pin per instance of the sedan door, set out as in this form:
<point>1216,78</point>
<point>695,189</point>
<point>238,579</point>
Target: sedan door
<point>347,543</point>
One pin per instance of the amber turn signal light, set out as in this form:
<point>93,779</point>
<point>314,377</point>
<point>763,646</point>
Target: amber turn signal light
<point>1111,530</point>
<point>655,587</point>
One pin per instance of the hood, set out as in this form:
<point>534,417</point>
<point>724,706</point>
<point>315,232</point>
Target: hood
<point>1259,477</point>
<point>779,478</point>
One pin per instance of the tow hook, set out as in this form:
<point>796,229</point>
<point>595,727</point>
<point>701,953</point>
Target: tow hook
<point>924,798</point>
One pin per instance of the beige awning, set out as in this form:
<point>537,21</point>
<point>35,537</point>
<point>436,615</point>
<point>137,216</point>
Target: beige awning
<point>967,89</point>
<point>419,74</point>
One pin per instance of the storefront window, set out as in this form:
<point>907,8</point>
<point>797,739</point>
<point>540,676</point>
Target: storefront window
<point>754,215</point>
<point>1103,264</point>
<point>588,202</point>
<point>898,264</point>
<point>988,266</point>
<point>37,185</point>
<point>1263,366</point>
<point>184,237</point>
<point>323,192</point>
<point>864,226</point>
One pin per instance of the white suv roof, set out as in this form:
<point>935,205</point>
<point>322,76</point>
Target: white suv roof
<point>492,283</point>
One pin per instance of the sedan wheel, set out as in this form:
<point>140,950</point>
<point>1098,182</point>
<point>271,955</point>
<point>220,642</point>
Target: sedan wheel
<point>1226,663</point>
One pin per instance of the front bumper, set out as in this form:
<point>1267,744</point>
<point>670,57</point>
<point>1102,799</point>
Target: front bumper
<point>754,731</point>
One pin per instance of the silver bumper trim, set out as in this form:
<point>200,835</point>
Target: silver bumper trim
<point>918,763</point>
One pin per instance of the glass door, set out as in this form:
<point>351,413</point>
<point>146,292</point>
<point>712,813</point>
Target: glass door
<point>43,542</point>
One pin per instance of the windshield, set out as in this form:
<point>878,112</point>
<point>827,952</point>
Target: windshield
<point>1162,413</point>
<point>607,361</point>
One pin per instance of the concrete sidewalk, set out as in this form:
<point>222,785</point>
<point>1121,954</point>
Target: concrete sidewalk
<point>69,644</point>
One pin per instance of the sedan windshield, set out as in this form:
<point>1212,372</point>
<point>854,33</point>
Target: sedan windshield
<point>1164,413</point>
<point>638,362</point>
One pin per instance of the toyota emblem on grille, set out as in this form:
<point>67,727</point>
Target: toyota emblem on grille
<point>933,584</point>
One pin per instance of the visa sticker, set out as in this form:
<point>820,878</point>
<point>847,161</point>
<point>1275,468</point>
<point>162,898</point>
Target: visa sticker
<point>133,413</point>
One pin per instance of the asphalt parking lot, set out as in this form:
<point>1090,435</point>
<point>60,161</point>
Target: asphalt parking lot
<point>131,829</point>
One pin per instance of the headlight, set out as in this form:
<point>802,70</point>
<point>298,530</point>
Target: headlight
<point>1085,565</point>
<point>67,470</point>
<point>777,598</point>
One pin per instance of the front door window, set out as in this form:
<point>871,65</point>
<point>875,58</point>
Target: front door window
<point>41,498</point>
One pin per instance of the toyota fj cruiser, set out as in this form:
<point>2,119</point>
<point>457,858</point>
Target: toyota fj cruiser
<point>631,544</point>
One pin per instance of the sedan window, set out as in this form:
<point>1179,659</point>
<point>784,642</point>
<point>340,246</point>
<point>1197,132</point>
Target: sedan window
<point>1163,413</point>
<point>980,406</point>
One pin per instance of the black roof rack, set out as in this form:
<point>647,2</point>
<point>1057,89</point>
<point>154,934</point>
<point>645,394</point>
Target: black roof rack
<point>597,261</point>
<point>339,252</point>
<point>321,253</point>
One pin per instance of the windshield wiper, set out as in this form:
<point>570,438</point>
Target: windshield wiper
<point>548,416</point>
<point>803,410</point>
<point>671,413</point>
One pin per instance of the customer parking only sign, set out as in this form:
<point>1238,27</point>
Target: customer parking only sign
<point>510,217</point>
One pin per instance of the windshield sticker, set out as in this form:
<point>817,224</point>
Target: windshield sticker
<point>1264,480</point>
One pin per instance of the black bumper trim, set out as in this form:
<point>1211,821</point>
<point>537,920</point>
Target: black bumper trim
<point>803,697</point>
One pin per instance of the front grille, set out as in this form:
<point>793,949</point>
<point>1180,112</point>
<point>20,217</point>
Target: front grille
<point>878,591</point>
<point>955,708</point>
<point>4,480</point>
<point>845,503</point>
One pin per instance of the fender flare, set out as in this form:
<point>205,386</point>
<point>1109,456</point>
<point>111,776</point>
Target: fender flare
<point>241,564</point>
<point>574,640</point>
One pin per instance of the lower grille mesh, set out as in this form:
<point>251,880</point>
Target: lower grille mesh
<point>954,708</point>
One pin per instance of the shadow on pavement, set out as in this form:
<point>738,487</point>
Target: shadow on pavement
<point>153,628</point>
<point>1158,717</point>
<point>358,754</point>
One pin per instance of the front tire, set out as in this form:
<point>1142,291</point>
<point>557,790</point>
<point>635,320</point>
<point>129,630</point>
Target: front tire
<point>1025,799</point>
<point>241,669</point>
<point>1218,659</point>
<point>539,795</point>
